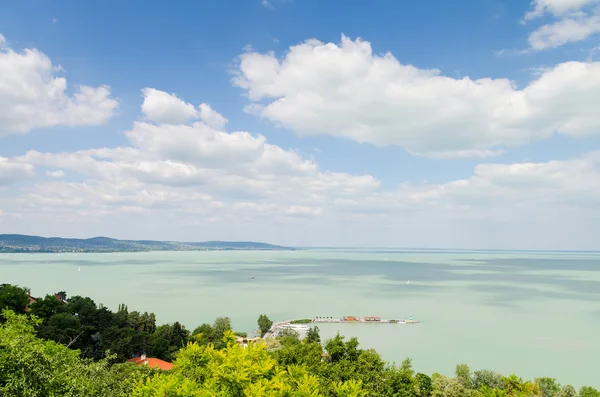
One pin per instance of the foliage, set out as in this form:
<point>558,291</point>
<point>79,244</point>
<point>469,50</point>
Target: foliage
<point>264,324</point>
<point>313,336</point>
<point>205,333</point>
<point>31,367</point>
<point>13,297</point>
<point>302,321</point>
<point>235,371</point>
<point>587,391</point>
<point>76,348</point>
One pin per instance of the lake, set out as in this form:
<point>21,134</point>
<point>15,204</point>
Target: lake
<point>531,313</point>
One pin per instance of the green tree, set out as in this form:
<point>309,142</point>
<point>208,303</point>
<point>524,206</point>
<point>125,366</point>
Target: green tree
<point>312,335</point>
<point>587,391</point>
<point>236,371</point>
<point>32,367</point>
<point>264,324</point>
<point>549,386</point>
<point>490,379</point>
<point>13,298</point>
<point>567,391</point>
<point>167,340</point>
<point>202,334</point>
<point>220,326</point>
<point>46,307</point>
<point>424,385</point>
<point>463,374</point>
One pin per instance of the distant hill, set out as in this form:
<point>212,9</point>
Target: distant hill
<point>12,243</point>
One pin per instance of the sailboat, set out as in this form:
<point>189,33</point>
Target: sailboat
<point>79,269</point>
<point>402,319</point>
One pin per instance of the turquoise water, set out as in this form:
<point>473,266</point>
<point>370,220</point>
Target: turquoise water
<point>532,313</point>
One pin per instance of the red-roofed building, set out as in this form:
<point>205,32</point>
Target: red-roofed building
<point>151,362</point>
<point>32,300</point>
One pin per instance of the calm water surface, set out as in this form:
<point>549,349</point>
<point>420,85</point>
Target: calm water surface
<point>535,314</point>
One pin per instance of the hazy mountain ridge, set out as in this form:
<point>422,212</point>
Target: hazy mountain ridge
<point>13,243</point>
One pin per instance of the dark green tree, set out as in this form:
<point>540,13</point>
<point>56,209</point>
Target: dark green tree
<point>336,348</point>
<point>167,340</point>
<point>312,335</point>
<point>264,324</point>
<point>46,307</point>
<point>424,385</point>
<point>13,298</point>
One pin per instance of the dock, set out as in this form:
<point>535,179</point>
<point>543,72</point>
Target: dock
<point>280,326</point>
<point>364,320</point>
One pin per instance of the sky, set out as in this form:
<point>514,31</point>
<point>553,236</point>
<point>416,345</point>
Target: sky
<point>428,124</point>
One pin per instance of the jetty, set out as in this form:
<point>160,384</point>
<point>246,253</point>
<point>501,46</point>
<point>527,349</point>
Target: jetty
<point>303,325</point>
<point>363,320</point>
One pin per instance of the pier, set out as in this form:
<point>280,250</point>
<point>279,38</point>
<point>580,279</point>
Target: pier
<point>364,320</point>
<point>303,325</point>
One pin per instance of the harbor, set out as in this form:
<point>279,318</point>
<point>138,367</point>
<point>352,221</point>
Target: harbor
<point>364,320</point>
<point>301,326</point>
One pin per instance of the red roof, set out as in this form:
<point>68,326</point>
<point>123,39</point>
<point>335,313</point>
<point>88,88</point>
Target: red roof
<point>152,363</point>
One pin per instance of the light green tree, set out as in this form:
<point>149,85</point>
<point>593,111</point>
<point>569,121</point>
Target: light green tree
<point>32,367</point>
<point>587,391</point>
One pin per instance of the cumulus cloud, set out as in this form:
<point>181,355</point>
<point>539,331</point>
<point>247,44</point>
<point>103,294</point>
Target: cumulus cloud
<point>564,31</point>
<point>181,178</point>
<point>33,96</point>
<point>347,91</point>
<point>172,163</point>
<point>575,20</point>
<point>55,174</point>
<point>166,108</point>
<point>556,8</point>
<point>554,183</point>
<point>12,171</point>
<point>211,117</point>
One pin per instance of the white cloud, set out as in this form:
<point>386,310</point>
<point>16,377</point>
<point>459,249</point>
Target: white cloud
<point>12,171</point>
<point>173,163</point>
<point>195,182</point>
<point>2,41</point>
<point>34,97</point>
<point>210,117</point>
<point>564,31</point>
<point>167,108</point>
<point>556,8</point>
<point>346,91</point>
<point>55,174</point>
<point>573,183</point>
<point>576,20</point>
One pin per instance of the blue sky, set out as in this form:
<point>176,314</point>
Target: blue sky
<point>494,149</point>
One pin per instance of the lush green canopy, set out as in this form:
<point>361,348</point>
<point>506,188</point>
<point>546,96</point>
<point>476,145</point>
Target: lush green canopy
<point>74,348</point>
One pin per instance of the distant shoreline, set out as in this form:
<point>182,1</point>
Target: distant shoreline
<point>24,244</point>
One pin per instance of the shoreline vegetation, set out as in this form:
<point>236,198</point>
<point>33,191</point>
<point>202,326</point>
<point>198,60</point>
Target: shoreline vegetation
<point>18,243</point>
<point>70,346</point>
